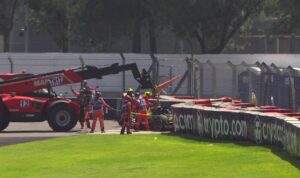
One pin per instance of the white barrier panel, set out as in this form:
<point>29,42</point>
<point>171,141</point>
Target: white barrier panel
<point>224,124</point>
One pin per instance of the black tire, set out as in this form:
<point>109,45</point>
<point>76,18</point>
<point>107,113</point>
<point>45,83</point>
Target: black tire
<point>157,123</point>
<point>61,118</point>
<point>4,122</point>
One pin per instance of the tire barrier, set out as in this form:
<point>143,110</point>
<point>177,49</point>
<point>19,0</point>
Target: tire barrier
<point>227,124</point>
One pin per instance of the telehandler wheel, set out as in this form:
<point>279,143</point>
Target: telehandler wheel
<point>62,118</point>
<point>4,122</point>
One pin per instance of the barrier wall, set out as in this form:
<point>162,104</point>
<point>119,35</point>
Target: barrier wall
<point>226,124</point>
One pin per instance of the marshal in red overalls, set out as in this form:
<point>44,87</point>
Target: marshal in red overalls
<point>126,114</point>
<point>84,97</point>
<point>140,106</point>
<point>97,104</point>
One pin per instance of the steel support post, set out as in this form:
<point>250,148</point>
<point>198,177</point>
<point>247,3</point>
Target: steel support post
<point>82,66</point>
<point>11,62</point>
<point>170,76</point>
<point>214,78</point>
<point>234,79</point>
<point>278,73</point>
<point>123,73</point>
<point>292,97</point>
<point>200,69</point>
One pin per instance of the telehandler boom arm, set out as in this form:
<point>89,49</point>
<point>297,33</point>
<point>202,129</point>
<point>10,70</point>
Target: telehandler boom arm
<point>69,76</point>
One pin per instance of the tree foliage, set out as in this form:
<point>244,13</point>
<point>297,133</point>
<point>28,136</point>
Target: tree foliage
<point>211,22</point>
<point>54,17</point>
<point>287,15</point>
<point>7,11</point>
<point>150,17</point>
<point>97,24</point>
<point>101,23</point>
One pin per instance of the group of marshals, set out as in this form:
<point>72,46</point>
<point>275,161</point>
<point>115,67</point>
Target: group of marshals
<point>135,104</point>
<point>92,106</point>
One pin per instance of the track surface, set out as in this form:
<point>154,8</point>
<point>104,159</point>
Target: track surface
<point>18,132</point>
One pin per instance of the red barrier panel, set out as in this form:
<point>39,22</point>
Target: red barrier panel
<point>202,101</point>
<point>269,107</point>
<point>243,104</point>
<point>184,97</point>
<point>279,110</point>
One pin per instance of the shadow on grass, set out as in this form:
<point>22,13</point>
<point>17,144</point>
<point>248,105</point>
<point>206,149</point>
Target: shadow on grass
<point>21,136</point>
<point>18,140</point>
<point>295,161</point>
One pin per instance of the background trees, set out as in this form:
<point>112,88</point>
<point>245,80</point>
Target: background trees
<point>211,22</point>
<point>97,25</point>
<point>104,22</point>
<point>287,15</point>
<point>7,12</point>
<point>54,17</point>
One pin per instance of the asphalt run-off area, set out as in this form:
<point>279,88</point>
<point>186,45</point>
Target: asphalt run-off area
<point>20,132</point>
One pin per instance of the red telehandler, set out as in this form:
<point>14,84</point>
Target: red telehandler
<point>19,104</point>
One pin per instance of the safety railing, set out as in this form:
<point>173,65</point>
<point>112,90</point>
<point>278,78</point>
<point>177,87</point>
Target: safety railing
<point>202,76</point>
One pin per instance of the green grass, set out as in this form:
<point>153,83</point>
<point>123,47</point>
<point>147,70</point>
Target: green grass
<point>143,156</point>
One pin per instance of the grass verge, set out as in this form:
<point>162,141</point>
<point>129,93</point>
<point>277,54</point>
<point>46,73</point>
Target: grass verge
<point>143,156</point>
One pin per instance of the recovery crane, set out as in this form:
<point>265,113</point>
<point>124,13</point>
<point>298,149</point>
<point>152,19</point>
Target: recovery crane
<point>62,114</point>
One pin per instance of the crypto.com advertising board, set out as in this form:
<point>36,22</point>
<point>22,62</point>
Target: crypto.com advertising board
<point>225,124</point>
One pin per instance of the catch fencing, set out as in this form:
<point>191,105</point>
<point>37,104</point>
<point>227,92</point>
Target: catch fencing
<point>275,78</point>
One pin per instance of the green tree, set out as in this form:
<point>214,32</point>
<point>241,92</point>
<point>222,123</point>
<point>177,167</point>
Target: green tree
<point>101,22</point>
<point>287,15</point>
<point>54,17</point>
<point>149,15</point>
<point>98,24</point>
<point>7,12</point>
<point>211,22</point>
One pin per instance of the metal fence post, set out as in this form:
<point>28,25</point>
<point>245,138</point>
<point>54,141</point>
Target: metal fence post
<point>185,75</point>
<point>259,96</point>
<point>82,66</point>
<point>200,69</point>
<point>292,97</point>
<point>245,67</point>
<point>154,79</point>
<point>123,73</point>
<point>250,85</point>
<point>190,76</point>
<point>11,64</point>
<point>170,76</point>
<point>264,79</point>
<point>155,69</point>
<point>267,83</point>
<point>214,77</point>
<point>234,79</point>
<point>192,73</point>
<point>278,73</point>
<point>196,80</point>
